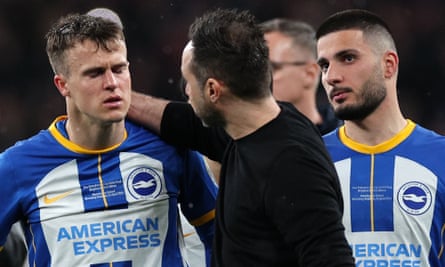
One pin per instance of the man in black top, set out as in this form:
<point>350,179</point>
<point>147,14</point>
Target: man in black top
<point>279,200</point>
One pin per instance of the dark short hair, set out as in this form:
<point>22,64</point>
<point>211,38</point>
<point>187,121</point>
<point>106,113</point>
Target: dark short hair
<point>75,28</point>
<point>301,33</point>
<point>229,45</point>
<point>371,24</point>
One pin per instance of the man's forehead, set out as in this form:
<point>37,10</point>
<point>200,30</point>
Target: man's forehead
<point>344,39</point>
<point>346,35</point>
<point>186,56</point>
<point>187,51</point>
<point>89,49</point>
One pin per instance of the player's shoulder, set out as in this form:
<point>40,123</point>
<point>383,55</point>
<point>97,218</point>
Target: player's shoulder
<point>132,126</point>
<point>26,152</point>
<point>137,131</point>
<point>144,139</point>
<point>422,135</point>
<point>291,123</point>
<point>38,142</point>
<point>332,136</point>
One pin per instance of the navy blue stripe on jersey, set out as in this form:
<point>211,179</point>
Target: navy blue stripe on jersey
<point>37,242</point>
<point>113,264</point>
<point>101,188</point>
<point>359,190</point>
<point>169,259</point>
<point>382,193</point>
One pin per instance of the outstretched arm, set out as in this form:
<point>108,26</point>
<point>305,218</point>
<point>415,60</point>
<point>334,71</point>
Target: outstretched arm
<point>147,110</point>
<point>178,125</point>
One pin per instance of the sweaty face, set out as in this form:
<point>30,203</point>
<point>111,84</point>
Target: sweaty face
<point>288,63</point>
<point>351,74</point>
<point>98,85</point>
<point>202,107</point>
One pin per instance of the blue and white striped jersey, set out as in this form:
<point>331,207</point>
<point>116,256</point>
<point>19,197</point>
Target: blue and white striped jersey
<point>394,196</point>
<point>112,207</point>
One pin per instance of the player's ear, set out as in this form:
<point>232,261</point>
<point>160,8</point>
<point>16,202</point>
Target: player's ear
<point>213,89</point>
<point>61,84</point>
<point>391,64</point>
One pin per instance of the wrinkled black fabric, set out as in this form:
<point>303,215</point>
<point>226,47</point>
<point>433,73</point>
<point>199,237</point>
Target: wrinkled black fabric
<point>279,201</point>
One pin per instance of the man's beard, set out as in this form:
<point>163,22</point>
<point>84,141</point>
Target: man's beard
<point>211,117</point>
<point>371,97</point>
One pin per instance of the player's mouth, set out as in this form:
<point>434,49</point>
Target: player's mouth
<point>113,102</point>
<point>339,95</point>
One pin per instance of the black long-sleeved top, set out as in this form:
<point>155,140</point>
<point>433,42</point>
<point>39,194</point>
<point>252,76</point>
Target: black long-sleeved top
<point>279,200</point>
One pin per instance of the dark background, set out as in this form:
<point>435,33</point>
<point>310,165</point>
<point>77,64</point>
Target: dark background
<point>156,32</point>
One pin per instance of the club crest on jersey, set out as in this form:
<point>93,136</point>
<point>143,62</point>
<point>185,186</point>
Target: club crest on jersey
<point>144,183</point>
<point>414,198</point>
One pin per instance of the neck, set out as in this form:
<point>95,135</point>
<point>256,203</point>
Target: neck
<point>309,109</point>
<point>95,136</point>
<point>244,118</point>
<point>377,128</point>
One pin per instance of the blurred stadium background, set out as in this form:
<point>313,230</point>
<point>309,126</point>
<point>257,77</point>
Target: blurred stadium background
<point>156,32</point>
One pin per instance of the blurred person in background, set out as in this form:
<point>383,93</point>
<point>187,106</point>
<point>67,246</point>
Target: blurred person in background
<point>296,75</point>
<point>14,250</point>
<point>391,169</point>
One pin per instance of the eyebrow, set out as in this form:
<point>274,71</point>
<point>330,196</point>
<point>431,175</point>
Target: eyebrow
<point>342,53</point>
<point>338,55</point>
<point>101,69</point>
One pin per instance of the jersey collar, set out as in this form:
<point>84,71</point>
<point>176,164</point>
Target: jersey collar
<point>380,148</point>
<point>64,141</point>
